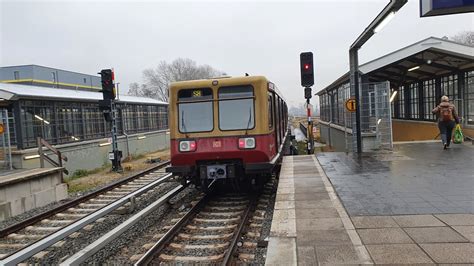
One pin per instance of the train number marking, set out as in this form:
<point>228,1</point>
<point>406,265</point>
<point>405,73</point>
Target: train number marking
<point>216,144</point>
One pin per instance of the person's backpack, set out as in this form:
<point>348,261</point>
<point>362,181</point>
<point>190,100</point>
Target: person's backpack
<point>446,113</point>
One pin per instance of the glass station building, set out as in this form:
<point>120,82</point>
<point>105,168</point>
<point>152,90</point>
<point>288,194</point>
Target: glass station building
<point>62,108</point>
<point>419,75</point>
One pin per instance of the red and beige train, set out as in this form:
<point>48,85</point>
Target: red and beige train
<point>229,129</point>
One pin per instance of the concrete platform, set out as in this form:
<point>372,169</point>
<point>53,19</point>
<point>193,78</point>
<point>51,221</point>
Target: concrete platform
<point>24,190</point>
<point>416,178</point>
<point>311,226</point>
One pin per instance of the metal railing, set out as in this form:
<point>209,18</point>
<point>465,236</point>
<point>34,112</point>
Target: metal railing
<point>44,156</point>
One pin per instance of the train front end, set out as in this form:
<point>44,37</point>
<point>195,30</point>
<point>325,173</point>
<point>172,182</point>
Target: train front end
<point>220,131</point>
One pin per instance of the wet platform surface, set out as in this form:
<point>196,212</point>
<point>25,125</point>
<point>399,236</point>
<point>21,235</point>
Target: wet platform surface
<point>416,178</point>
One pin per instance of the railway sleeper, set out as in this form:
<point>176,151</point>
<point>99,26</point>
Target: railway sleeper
<point>43,228</point>
<point>226,220</point>
<point>205,237</point>
<point>227,208</point>
<point>211,228</point>
<point>191,259</point>
<point>226,214</point>
<point>22,236</point>
<point>202,247</point>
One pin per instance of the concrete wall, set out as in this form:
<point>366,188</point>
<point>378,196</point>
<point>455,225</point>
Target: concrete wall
<point>25,190</point>
<point>409,130</point>
<point>90,155</point>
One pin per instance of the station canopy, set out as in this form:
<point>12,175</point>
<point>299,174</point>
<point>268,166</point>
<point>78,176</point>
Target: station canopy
<point>13,92</point>
<point>420,61</point>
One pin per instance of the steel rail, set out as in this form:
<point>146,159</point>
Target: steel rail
<point>32,220</point>
<point>147,258</point>
<point>53,238</point>
<point>93,248</point>
<point>235,239</point>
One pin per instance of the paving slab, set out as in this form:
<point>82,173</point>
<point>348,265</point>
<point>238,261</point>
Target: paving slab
<point>397,254</point>
<point>307,256</point>
<point>281,251</point>
<point>317,213</point>
<point>373,222</point>
<point>450,252</point>
<point>323,238</point>
<point>413,179</point>
<point>434,235</point>
<point>457,219</point>
<point>312,204</point>
<point>339,254</point>
<point>417,220</point>
<point>384,236</point>
<point>466,231</point>
<point>319,224</point>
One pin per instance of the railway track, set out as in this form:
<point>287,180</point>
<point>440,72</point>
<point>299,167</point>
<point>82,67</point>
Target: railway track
<point>216,230</point>
<point>30,237</point>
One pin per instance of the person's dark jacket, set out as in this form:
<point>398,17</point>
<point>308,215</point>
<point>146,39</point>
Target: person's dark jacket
<point>449,105</point>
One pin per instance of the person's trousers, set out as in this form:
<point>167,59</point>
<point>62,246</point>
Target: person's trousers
<point>446,131</point>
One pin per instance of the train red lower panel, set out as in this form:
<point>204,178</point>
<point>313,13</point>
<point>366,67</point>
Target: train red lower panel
<point>224,151</point>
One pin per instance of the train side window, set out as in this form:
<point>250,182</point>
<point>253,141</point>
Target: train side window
<point>270,111</point>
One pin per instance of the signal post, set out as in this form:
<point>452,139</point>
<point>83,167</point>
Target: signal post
<point>307,80</point>
<point>108,107</point>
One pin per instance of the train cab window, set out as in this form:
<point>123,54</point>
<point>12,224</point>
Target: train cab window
<point>236,108</point>
<point>195,112</point>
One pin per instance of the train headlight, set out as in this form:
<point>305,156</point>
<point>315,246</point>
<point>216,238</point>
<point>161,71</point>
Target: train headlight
<point>187,145</point>
<point>246,143</point>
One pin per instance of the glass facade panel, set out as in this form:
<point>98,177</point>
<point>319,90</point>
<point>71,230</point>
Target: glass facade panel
<point>414,104</point>
<point>67,122</point>
<point>429,101</point>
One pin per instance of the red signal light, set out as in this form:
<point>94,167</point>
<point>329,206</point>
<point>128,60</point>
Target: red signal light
<point>306,66</point>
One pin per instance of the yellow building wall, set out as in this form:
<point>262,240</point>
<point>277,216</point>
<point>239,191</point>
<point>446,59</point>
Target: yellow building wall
<point>409,130</point>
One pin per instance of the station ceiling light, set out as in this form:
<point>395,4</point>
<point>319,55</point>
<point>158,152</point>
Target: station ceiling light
<point>414,68</point>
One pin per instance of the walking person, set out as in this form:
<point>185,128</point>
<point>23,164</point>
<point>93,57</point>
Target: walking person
<point>447,116</point>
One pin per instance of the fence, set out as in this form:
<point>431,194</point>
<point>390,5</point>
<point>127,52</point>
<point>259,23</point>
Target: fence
<point>376,119</point>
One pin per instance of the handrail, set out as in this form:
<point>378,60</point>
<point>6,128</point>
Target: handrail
<point>44,156</point>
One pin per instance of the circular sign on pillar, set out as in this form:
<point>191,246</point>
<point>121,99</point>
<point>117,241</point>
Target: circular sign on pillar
<point>350,105</point>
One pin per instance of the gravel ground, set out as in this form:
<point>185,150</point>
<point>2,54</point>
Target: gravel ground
<point>85,237</point>
<point>131,242</point>
<point>261,252</point>
<point>21,217</point>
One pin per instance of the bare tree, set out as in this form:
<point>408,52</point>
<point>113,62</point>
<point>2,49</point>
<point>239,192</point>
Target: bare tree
<point>157,80</point>
<point>464,37</point>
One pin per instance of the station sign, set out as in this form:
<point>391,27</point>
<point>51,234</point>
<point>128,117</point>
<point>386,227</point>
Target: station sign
<point>351,105</point>
<point>430,8</point>
<point>2,129</point>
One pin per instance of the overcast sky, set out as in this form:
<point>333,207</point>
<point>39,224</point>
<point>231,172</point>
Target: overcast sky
<point>263,38</point>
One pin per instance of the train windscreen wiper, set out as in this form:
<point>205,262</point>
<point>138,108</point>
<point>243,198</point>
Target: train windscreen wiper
<point>183,125</point>
<point>250,119</point>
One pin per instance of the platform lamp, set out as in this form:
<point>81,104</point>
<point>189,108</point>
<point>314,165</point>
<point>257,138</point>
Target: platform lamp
<point>375,26</point>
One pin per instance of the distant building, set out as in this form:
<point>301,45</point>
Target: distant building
<point>48,77</point>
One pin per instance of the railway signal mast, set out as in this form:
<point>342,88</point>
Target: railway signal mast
<point>109,109</point>
<point>307,80</point>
